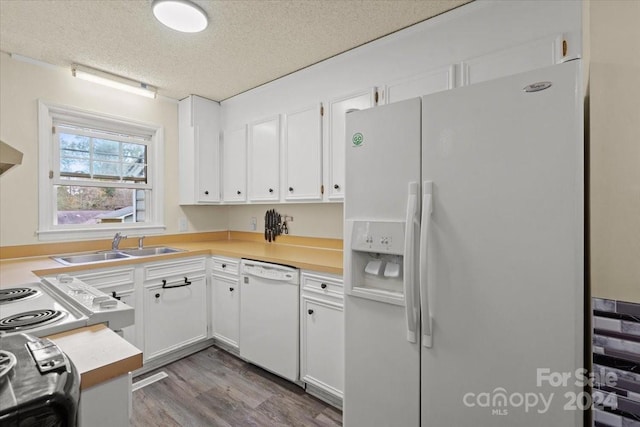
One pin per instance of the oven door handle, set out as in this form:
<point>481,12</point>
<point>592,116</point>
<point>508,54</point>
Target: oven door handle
<point>179,285</point>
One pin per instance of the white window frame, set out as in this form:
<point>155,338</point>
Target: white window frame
<point>47,229</point>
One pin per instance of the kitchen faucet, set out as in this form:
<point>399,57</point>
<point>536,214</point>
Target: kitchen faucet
<point>116,241</point>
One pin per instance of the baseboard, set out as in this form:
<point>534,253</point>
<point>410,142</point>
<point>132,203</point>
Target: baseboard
<point>324,396</point>
<point>172,357</point>
<point>227,347</point>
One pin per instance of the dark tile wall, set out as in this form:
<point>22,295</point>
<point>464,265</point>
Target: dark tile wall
<point>616,363</point>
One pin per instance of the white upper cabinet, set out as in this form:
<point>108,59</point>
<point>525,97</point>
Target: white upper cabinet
<point>234,165</point>
<point>518,59</point>
<point>422,84</point>
<point>264,160</point>
<point>303,154</point>
<point>199,151</point>
<point>336,141</point>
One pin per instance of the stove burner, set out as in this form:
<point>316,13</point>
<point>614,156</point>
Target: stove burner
<point>29,319</point>
<point>16,294</point>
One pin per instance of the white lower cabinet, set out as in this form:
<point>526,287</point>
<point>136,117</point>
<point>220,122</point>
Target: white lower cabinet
<point>175,306</point>
<point>107,404</point>
<point>322,335</point>
<point>225,302</point>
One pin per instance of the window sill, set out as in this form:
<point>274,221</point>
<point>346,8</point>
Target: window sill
<point>106,232</point>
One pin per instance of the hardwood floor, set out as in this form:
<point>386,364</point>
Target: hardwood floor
<point>215,388</point>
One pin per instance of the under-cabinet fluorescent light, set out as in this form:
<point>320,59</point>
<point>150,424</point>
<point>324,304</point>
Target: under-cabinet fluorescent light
<point>113,81</point>
<point>180,15</point>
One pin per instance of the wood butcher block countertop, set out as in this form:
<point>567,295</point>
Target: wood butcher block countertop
<point>98,353</point>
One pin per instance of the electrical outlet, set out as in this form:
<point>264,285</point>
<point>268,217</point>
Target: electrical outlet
<point>183,225</point>
<point>253,224</point>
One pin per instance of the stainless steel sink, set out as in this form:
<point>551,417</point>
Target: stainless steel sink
<point>89,258</point>
<point>150,251</point>
<point>114,255</point>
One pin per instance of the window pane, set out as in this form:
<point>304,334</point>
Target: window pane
<point>134,151</point>
<point>106,169</point>
<point>97,205</point>
<point>104,149</point>
<point>75,146</point>
<point>135,170</point>
<point>74,166</point>
<point>134,159</point>
<point>74,154</point>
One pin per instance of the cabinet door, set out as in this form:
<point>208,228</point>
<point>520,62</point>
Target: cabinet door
<point>337,109</point>
<point>175,316</point>
<point>420,85</point>
<point>234,165</point>
<point>226,310</point>
<point>518,59</point>
<point>199,151</point>
<point>303,154</point>
<point>264,160</point>
<point>321,344</point>
<point>208,158</point>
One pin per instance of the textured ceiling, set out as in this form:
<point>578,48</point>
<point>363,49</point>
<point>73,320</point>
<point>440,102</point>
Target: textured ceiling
<point>246,44</point>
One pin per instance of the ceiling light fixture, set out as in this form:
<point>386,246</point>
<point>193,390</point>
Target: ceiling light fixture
<point>180,15</point>
<point>113,81</point>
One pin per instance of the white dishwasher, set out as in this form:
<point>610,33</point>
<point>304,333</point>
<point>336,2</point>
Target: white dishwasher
<point>269,317</point>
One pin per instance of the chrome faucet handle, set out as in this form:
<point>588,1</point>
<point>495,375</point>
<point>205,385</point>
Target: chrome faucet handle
<point>116,240</point>
<point>141,242</point>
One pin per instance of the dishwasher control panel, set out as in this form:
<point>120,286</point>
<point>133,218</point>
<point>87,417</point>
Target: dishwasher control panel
<point>274,272</point>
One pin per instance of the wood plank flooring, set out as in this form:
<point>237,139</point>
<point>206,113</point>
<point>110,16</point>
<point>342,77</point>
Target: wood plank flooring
<point>215,388</point>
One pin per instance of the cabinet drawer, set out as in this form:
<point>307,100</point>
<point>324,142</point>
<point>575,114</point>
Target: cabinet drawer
<point>99,278</point>
<point>325,285</point>
<point>173,268</point>
<point>225,265</point>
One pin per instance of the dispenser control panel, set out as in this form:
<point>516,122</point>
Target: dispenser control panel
<point>385,237</point>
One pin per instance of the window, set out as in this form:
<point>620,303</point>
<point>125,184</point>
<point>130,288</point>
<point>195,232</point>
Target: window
<point>98,174</point>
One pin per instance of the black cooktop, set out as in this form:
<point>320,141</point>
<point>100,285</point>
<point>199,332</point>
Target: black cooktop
<point>39,386</point>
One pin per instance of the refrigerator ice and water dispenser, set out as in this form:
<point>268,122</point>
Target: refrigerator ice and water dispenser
<point>377,253</point>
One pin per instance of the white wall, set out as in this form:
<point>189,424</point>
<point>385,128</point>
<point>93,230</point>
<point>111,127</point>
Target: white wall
<point>21,86</point>
<point>312,220</point>
<point>615,149</point>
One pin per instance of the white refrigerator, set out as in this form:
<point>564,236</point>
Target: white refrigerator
<point>464,256</point>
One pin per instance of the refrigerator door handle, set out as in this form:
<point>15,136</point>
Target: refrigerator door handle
<point>427,207</point>
<point>411,308</point>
